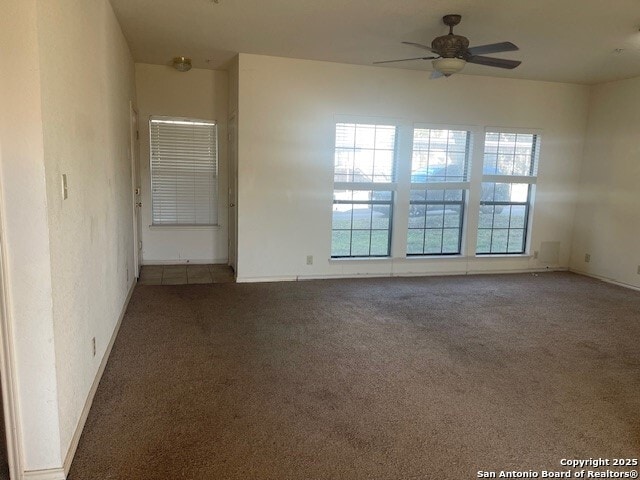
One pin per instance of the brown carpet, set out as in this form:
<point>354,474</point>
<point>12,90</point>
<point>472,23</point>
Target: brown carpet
<point>398,378</point>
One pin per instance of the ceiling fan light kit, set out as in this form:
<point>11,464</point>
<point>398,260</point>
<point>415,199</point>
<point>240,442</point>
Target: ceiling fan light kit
<point>452,52</point>
<point>182,64</point>
<point>448,66</point>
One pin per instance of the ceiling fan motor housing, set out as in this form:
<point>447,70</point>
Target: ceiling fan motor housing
<point>450,46</point>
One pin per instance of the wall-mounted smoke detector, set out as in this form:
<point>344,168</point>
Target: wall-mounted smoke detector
<point>182,64</point>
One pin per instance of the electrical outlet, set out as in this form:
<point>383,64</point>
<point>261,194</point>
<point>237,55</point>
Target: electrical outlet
<point>638,269</point>
<point>309,259</point>
<point>93,345</point>
<point>587,257</point>
<point>535,255</point>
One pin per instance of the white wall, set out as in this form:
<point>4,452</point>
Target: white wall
<point>87,76</point>
<point>25,235</point>
<point>286,112</point>
<point>201,94</point>
<point>608,216</point>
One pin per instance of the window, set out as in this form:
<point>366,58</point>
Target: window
<point>439,184</point>
<point>364,186</point>
<point>436,188</point>
<point>509,173</point>
<point>184,171</point>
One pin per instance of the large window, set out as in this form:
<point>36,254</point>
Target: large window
<point>436,189</point>
<point>509,173</point>
<point>364,185</point>
<point>439,184</point>
<point>184,171</point>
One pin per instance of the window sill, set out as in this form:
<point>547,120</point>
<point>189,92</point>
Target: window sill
<point>503,256</point>
<point>410,258</point>
<point>519,256</point>
<point>397,259</point>
<point>184,227</point>
<point>416,258</point>
<point>359,259</point>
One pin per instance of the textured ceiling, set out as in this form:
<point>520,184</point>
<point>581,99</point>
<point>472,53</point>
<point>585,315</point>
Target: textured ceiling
<point>560,40</point>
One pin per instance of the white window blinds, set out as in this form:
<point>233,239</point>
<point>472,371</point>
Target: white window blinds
<point>184,171</point>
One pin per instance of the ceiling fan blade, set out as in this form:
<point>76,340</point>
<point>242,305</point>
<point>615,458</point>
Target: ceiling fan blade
<point>419,45</point>
<point>405,60</point>
<point>494,62</point>
<point>436,74</point>
<point>493,48</point>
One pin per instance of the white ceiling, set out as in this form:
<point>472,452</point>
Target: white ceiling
<point>560,40</point>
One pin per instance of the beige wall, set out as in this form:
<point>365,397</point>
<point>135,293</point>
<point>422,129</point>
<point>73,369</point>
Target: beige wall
<point>69,263</point>
<point>287,111</point>
<point>25,237</point>
<point>608,216</point>
<point>66,110</point>
<point>87,77</point>
<point>201,94</point>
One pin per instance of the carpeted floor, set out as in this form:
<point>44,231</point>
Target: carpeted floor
<point>398,378</point>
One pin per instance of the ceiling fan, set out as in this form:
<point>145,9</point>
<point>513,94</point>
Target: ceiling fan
<point>452,52</point>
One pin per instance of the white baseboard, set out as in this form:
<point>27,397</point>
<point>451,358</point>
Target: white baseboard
<point>48,474</point>
<point>215,261</point>
<point>392,275</point>
<point>605,279</point>
<point>92,392</point>
<point>289,278</point>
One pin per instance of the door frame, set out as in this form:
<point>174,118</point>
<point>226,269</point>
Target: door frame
<point>8,371</point>
<point>232,128</point>
<point>134,154</point>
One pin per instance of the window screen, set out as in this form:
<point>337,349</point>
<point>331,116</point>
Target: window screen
<point>184,171</point>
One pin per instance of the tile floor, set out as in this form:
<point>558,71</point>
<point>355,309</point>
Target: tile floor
<point>185,274</point>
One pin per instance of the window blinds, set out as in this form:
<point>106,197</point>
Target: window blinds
<point>184,171</point>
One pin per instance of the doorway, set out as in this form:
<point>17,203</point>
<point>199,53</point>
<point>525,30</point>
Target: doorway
<point>134,153</point>
<point>233,192</point>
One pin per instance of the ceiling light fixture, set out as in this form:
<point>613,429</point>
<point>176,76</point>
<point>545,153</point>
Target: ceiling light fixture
<point>448,66</point>
<point>182,64</point>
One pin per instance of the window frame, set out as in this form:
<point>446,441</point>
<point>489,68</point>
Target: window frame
<point>530,180</point>
<point>214,195</point>
<point>472,191</point>
<point>372,187</point>
<point>463,185</point>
